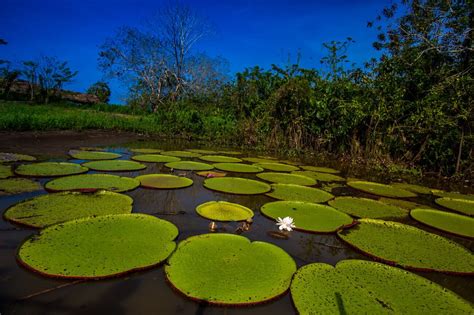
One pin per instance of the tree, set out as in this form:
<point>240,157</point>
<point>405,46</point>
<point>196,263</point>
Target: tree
<point>101,90</point>
<point>8,75</point>
<point>30,72</point>
<point>52,75</point>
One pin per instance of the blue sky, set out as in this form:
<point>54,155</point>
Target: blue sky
<point>247,33</point>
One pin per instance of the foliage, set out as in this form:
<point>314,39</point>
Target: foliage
<point>101,90</point>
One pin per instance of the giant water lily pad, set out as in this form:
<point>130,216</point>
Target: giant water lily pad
<point>189,166</point>
<point>5,171</point>
<point>278,167</point>
<point>381,189</point>
<point>238,167</point>
<point>181,154</point>
<point>202,151</point>
<point>365,287</point>
<point>155,158</point>
<point>323,177</point>
<point>230,152</point>
<point>50,209</point>
<point>449,222</point>
<point>220,159</point>
<point>405,204</point>
<point>293,192</point>
<point>15,157</point>
<point>114,166</point>
<point>452,194</point>
<point>409,247</point>
<point>236,185</point>
<point>164,181</point>
<point>93,155</point>
<point>50,169</point>
<point>99,247</point>
<point>258,160</point>
<point>210,174</point>
<point>12,186</point>
<point>283,178</point>
<point>145,150</point>
<point>224,211</point>
<point>367,208</point>
<point>413,188</point>
<point>92,182</point>
<point>309,217</point>
<point>460,205</point>
<point>228,269</point>
<point>320,169</point>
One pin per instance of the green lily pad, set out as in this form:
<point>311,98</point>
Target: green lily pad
<point>91,155</point>
<point>210,174</point>
<point>367,208</point>
<point>278,167</point>
<point>460,205</point>
<point>228,269</point>
<point>11,186</point>
<point>181,154</point>
<point>236,185</point>
<point>220,159</point>
<point>366,287</point>
<point>155,158</point>
<point>409,247</point>
<point>230,152</point>
<point>309,217</point>
<point>92,182</point>
<point>446,221</point>
<point>409,205</point>
<point>283,178</point>
<point>224,211</point>
<point>381,189</point>
<point>164,181</point>
<point>238,167</point>
<point>258,160</point>
<point>417,189</point>
<point>50,209</point>
<point>453,195</point>
<point>323,177</point>
<point>5,171</point>
<point>145,150</point>
<point>189,166</point>
<point>291,192</point>
<point>202,151</point>
<point>50,169</point>
<point>15,157</point>
<point>328,186</point>
<point>289,162</point>
<point>114,166</point>
<point>320,169</point>
<point>99,247</point>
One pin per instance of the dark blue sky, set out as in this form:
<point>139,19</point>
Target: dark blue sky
<point>248,33</point>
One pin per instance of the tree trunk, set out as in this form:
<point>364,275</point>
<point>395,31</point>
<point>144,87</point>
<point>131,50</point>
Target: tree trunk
<point>458,161</point>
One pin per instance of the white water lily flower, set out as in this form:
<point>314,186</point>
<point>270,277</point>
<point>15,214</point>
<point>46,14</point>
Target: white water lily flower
<point>285,224</point>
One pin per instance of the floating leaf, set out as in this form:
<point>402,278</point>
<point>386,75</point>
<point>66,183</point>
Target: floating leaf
<point>309,217</point>
<point>91,155</point>
<point>99,247</point>
<point>367,208</point>
<point>278,167</point>
<point>293,192</point>
<point>283,178</point>
<point>202,151</point>
<point>115,165</point>
<point>5,171</point>
<point>155,158</point>
<point>220,159</point>
<point>413,188</point>
<point>50,209</point>
<point>330,186</point>
<point>238,167</point>
<point>145,150</point>
<point>453,195</point>
<point>164,181</point>
<point>258,160</point>
<point>189,166</point>
<point>402,203</point>
<point>50,169</point>
<point>230,152</point>
<point>323,177</point>
<point>228,269</point>
<point>320,169</point>
<point>460,205</point>
<point>449,222</point>
<point>13,186</point>
<point>381,189</point>
<point>210,174</point>
<point>236,185</point>
<point>92,182</point>
<point>15,157</point>
<point>289,162</point>
<point>365,287</point>
<point>409,247</point>
<point>224,211</point>
<point>181,154</point>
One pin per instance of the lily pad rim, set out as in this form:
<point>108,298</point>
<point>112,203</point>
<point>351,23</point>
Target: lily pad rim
<point>437,228</point>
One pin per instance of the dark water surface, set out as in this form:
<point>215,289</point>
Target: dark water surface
<point>147,292</point>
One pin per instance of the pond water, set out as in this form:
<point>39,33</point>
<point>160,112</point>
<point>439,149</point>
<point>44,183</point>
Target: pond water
<point>24,292</point>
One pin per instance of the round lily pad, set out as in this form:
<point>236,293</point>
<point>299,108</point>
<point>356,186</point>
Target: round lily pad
<point>278,167</point>
<point>181,154</point>
<point>238,167</point>
<point>409,247</point>
<point>202,151</point>
<point>228,269</point>
<point>230,152</point>
<point>449,222</point>
<point>366,287</point>
<point>220,159</point>
<point>224,211</point>
<point>210,174</point>
<point>93,155</point>
<point>283,178</point>
<point>451,194</point>
<point>12,186</point>
<point>320,169</point>
<point>155,158</point>
<point>323,177</point>
<point>367,208</point>
<point>460,205</point>
<point>189,166</point>
<point>5,171</point>
<point>50,209</point>
<point>309,217</point>
<point>145,150</point>
<point>114,166</point>
<point>236,185</point>
<point>293,192</point>
<point>413,188</point>
<point>164,181</point>
<point>381,189</point>
<point>258,160</point>
<point>50,169</point>
<point>15,157</point>
<point>402,203</point>
<point>99,247</point>
<point>92,182</point>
